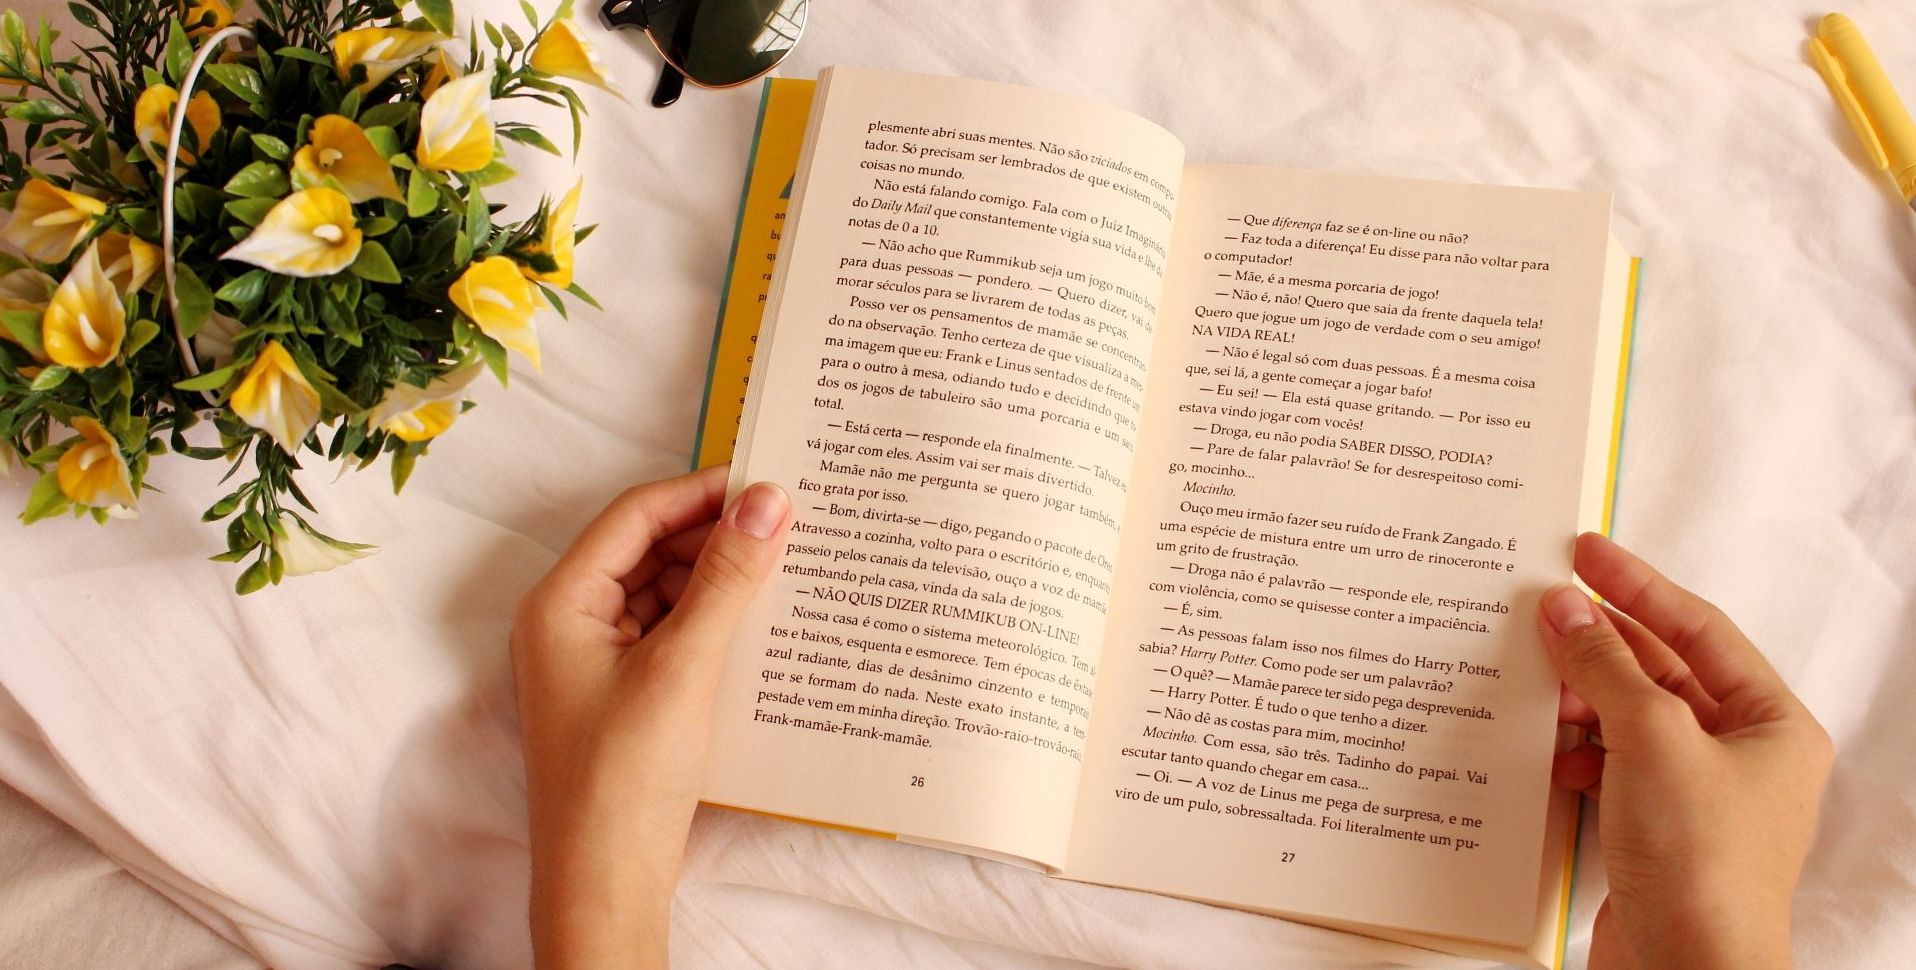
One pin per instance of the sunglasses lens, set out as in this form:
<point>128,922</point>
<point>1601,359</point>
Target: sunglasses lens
<point>720,42</point>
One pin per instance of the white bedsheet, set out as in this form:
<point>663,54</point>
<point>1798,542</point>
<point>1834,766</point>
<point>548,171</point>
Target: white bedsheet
<point>327,773</point>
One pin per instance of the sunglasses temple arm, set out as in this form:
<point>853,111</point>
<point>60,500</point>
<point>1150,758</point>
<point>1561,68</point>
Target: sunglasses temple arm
<point>671,85</point>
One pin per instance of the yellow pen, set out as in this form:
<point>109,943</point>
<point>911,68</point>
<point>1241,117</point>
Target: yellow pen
<point>1864,93</point>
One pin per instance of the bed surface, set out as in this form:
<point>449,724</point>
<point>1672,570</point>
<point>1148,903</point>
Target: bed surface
<point>327,774</point>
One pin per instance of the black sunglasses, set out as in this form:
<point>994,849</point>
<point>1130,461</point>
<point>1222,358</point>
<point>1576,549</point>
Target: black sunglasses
<point>712,43</point>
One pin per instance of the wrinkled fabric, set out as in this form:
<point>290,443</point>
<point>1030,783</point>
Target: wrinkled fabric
<point>327,773</point>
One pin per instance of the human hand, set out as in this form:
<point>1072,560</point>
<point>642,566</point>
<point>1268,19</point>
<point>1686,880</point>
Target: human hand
<point>1709,769</point>
<point>616,655</point>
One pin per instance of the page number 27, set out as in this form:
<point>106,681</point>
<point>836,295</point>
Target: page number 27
<point>1288,857</point>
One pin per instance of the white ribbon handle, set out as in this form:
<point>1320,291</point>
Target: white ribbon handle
<point>168,171</point>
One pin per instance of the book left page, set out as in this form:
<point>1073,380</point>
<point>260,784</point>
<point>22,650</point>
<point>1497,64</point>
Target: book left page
<point>948,383</point>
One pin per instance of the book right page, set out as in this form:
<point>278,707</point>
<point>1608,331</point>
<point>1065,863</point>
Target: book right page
<point>1322,692</point>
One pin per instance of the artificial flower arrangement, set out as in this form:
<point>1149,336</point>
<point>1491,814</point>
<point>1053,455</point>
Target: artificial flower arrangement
<point>279,228</point>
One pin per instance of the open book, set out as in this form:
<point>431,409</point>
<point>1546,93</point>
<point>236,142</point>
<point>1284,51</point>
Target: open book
<point>1170,526</point>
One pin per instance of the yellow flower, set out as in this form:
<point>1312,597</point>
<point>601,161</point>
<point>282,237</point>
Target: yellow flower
<point>339,149</point>
<point>309,233</point>
<point>455,129</point>
<point>442,71</point>
<point>203,17</point>
<point>153,121</point>
<point>562,51</point>
<point>422,413</point>
<point>495,296</point>
<point>215,341</point>
<point>128,261</point>
<point>277,399</point>
<point>86,322</point>
<point>383,50</point>
<point>49,221</point>
<point>26,289</point>
<point>304,552</point>
<point>93,471</point>
<point>558,239</point>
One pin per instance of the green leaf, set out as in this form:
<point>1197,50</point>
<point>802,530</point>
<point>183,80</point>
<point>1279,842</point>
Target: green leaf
<point>259,180</point>
<point>438,13</point>
<point>243,81</point>
<point>196,301</point>
<point>478,219</point>
<point>402,467</point>
<point>385,140</point>
<point>244,288</point>
<point>192,198</point>
<point>374,264</point>
<point>378,226</point>
<point>579,291</point>
<point>552,297</point>
<point>494,353</point>
<point>255,526</point>
<point>532,15</point>
<point>224,507</point>
<point>45,501</point>
<point>392,114</point>
<point>52,377</point>
<point>143,222</point>
<point>495,172</point>
<point>273,148</point>
<point>349,105</point>
<point>179,51</point>
<point>24,327</point>
<point>492,34</point>
<point>531,136</point>
<point>252,580</point>
<point>231,555</point>
<point>50,453</point>
<point>38,111</point>
<point>421,197</point>
<point>142,334</point>
<point>251,211</point>
<point>212,380</point>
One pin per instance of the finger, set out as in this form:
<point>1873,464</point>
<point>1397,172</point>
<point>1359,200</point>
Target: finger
<point>1572,709</point>
<point>649,603</point>
<point>617,540</point>
<point>1723,659</point>
<point>1578,769</point>
<point>671,584</point>
<point>1665,668</point>
<point>1598,666</point>
<point>738,557</point>
<point>672,552</point>
<point>645,606</point>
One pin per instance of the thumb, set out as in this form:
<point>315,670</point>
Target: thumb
<point>738,557</point>
<point>1595,662</point>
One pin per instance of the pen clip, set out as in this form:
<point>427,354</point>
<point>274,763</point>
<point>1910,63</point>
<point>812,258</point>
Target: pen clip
<point>1838,80</point>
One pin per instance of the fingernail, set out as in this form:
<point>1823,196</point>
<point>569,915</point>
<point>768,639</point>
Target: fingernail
<point>761,509</point>
<point>1568,610</point>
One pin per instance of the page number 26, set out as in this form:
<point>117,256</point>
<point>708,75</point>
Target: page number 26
<point>918,781</point>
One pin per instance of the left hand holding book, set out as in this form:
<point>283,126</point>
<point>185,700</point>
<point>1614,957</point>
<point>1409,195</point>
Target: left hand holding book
<point>616,654</point>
